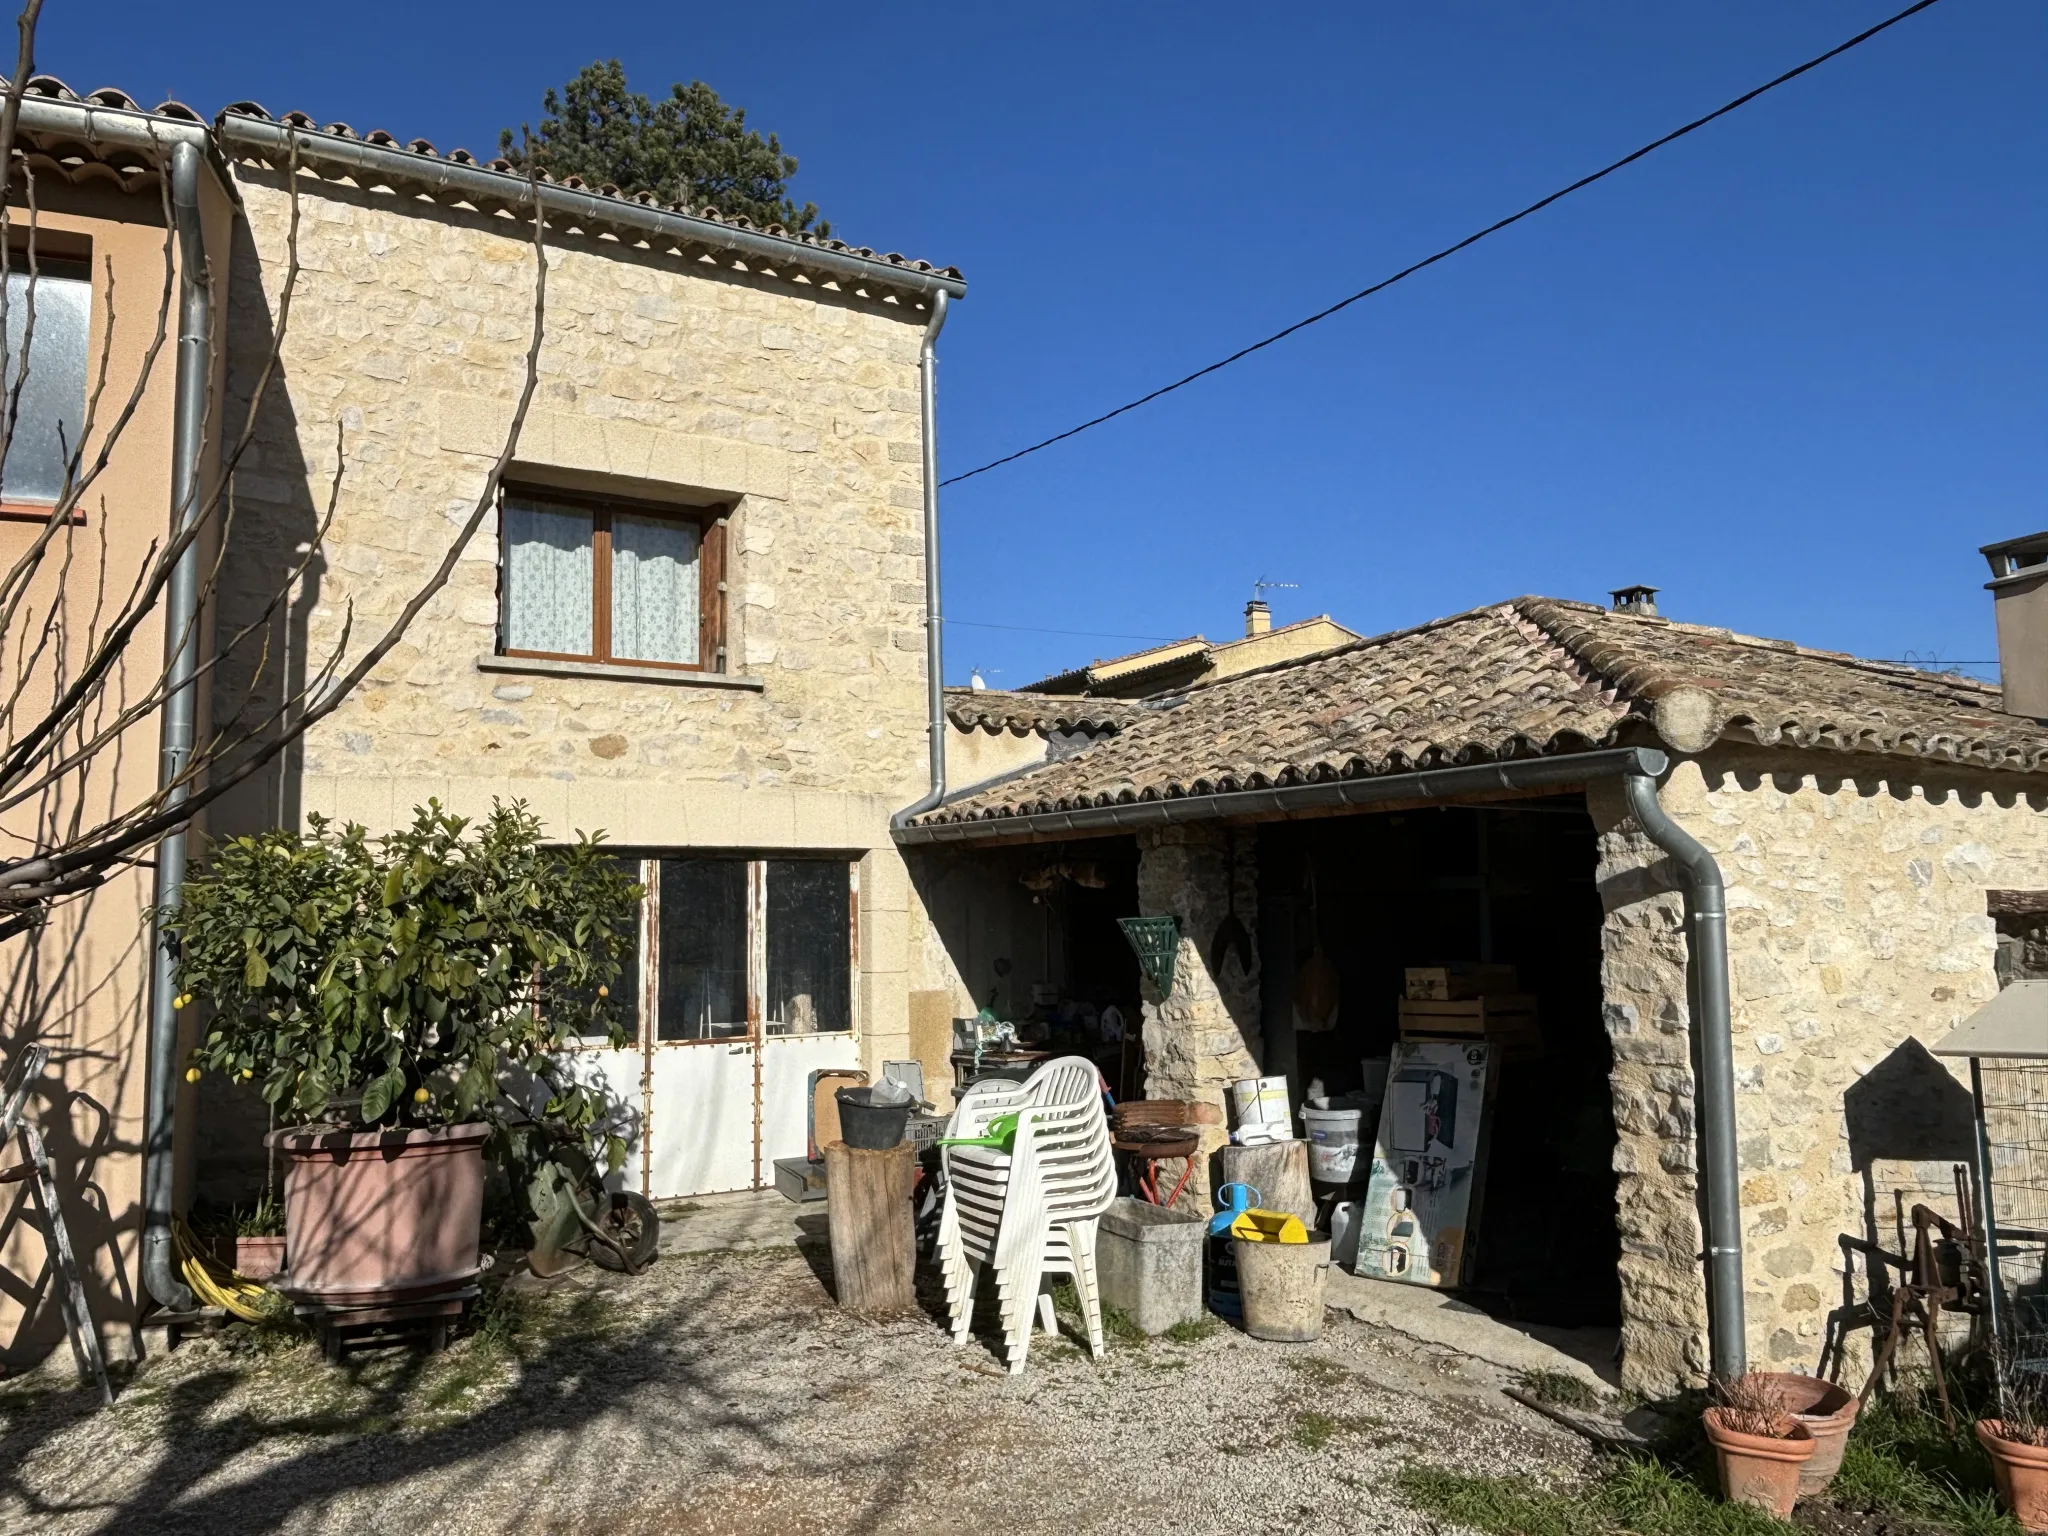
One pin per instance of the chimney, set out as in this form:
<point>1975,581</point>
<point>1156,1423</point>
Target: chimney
<point>1641,601</point>
<point>1258,618</point>
<point>2019,599</point>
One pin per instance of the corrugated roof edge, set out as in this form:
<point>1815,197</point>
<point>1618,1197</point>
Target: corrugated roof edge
<point>111,116</point>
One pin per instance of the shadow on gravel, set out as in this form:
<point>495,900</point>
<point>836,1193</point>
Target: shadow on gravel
<point>661,1391</point>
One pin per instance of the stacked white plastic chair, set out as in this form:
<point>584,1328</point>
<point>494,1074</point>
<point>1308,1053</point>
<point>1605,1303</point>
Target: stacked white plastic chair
<point>1031,1211</point>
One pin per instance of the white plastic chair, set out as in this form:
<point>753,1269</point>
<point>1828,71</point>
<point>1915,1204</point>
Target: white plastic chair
<point>1032,1211</point>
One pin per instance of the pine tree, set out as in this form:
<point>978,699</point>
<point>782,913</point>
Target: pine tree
<point>688,148</point>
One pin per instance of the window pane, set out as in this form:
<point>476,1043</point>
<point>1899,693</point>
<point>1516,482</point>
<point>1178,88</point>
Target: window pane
<point>53,394</point>
<point>625,987</point>
<point>548,569</point>
<point>654,589</point>
<point>809,932</point>
<point>703,949</point>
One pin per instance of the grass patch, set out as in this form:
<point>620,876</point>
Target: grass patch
<point>1561,1389</point>
<point>1323,1372</point>
<point>1192,1330</point>
<point>1119,1327</point>
<point>1313,1431</point>
<point>1903,1459</point>
<point>1643,1498</point>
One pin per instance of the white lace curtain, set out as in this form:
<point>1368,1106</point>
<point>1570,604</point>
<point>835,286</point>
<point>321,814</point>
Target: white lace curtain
<point>550,571</point>
<point>654,589</point>
<point>548,574</point>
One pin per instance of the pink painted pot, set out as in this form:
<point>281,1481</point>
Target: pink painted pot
<point>381,1216</point>
<point>259,1258</point>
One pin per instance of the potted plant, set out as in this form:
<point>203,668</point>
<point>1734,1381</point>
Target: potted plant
<point>407,999</point>
<point>259,1240</point>
<point>1759,1445</point>
<point>1829,1412</point>
<point>2017,1443</point>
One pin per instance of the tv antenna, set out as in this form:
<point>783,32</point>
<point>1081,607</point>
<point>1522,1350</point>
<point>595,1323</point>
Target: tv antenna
<point>1264,585</point>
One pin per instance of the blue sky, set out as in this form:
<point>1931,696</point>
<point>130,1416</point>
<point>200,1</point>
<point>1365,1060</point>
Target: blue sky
<point>1791,370</point>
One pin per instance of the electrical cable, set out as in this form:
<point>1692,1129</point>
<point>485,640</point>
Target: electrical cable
<point>1451,250</point>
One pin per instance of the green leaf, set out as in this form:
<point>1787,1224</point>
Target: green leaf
<point>378,1096</point>
<point>255,970</point>
<point>394,885</point>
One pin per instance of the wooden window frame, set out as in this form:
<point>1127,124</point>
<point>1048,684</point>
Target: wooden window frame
<point>711,530</point>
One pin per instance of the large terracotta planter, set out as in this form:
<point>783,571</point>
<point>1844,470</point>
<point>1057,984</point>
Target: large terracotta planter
<point>2022,1473</point>
<point>381,1216</point>
<point>1756,1469</point>
<point>1829,1413</point>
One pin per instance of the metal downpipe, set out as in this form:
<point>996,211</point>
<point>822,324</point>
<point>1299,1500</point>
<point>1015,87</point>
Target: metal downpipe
<point>180,706</point>
<point>934,631</point>
<point>1707,948</point>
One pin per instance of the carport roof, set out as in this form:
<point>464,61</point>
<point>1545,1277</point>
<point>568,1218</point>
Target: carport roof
<point>1532,677</point>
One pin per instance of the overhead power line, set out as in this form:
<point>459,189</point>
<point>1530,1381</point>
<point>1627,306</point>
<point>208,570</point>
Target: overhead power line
<point>1451,250</point>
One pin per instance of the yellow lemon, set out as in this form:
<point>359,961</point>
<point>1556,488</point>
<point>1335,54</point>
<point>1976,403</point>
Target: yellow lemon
<point>604,991</point>
<point>182,1000</point>
<point>192,1074</point>
<point>420,1095</point>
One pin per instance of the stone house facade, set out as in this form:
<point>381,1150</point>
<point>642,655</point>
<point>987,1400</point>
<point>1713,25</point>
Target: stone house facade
<point>1861,813</point>
<point>694,620</point>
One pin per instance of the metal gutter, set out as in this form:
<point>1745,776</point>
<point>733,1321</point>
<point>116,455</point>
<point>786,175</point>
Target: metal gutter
<point>934,619</point>
<point>1568,770</point>
<point>180,707</point>
<point>100,128</point>
<point>1706,910</point>
<point>376,164</point>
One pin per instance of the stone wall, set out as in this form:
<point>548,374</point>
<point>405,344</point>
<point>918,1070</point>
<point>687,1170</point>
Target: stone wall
<point>1857,934</point>
<point>794,407</point>
<point>1205,1034</point>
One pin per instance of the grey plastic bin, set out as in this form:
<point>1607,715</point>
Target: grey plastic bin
<point>1149,1259</point>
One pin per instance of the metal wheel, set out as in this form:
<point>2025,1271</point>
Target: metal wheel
<point>630,1221</point>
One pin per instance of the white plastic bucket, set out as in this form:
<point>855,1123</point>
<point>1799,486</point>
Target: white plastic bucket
<point>1261,1101</point>
<point>1333,1144</point>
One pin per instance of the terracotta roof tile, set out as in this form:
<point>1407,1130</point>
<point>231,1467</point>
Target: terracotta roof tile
<point>1534,676</point>
<point>995,710</point>
<point>49,87</point>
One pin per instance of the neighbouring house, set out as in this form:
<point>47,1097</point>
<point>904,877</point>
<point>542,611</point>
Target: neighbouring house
<point>1180,663</point>
<point>696,621</point>
<point>1477,789</point>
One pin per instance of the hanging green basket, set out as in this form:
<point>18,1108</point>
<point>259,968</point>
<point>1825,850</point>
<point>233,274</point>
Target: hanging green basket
<point>1156,941</point>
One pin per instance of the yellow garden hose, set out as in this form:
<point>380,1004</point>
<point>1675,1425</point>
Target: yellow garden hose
<point>215,1283</point>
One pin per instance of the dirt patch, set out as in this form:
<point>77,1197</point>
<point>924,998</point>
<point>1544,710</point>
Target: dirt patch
<point>1828,1517</point>
<point>726,1394</point>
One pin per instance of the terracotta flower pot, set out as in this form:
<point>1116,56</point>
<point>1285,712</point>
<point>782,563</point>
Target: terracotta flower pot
<point>1756,1469</point>
<point>1829,1413</point>
<point>259,1258</point>
<point>2021,1471</point>
<point>381,1216</point>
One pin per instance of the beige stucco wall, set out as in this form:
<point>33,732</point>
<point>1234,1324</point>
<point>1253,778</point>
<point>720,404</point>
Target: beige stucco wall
<point>80,985</point>
<point>1857,924</point>
<point>976,755</point>
<point>795,407</point>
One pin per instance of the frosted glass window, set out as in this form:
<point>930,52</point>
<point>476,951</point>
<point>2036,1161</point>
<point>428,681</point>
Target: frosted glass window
<point>53,392</point>
<point>654,589</point>
<point>549,566</point>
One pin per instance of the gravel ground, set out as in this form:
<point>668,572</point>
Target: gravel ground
<point>725,1393</point>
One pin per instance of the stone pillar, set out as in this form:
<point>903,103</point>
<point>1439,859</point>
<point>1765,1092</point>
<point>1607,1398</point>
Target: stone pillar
<point>1648,1020</point>
<point>1205,1035</point>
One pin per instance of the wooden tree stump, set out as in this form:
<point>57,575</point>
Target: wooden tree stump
<point>867,1204</point>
